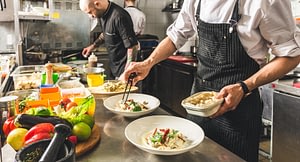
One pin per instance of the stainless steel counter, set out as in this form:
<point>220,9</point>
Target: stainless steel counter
<point>114,147</point>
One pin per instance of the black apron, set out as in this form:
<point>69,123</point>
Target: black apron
<point>222,60</point>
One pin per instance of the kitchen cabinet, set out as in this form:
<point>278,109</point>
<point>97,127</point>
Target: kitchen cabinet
<point>286,117</point>
<point>172,82</point>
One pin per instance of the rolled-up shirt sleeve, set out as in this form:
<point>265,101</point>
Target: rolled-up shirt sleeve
<point>280,31</point>
<point>185,25</point>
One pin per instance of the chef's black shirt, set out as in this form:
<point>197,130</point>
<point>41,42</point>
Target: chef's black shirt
<point>119,35</point>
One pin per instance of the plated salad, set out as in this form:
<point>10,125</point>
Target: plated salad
<point>132,106</point>
<point>165,139</point>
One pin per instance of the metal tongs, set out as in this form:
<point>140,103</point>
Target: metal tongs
<point>128,87</point>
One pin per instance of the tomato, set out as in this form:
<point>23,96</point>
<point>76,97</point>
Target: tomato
<point>64,102</point>
<point>82,131</point>
<point>8,125</point>
<point>70,105</point>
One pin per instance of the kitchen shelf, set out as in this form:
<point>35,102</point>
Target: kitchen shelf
<point>40,10</point>
<point>34,17</point>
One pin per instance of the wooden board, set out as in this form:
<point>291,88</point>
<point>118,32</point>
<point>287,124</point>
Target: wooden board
<point>83,147</point>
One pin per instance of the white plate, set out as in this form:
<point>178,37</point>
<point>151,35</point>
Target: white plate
<point>102,91</point>
<point>111,104</point>
<point>137,129</point>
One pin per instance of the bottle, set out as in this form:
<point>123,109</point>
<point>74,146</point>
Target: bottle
<point>49,73</point>
<point>92,62</point>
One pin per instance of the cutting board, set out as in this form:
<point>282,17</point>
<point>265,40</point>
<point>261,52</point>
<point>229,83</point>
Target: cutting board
<point>180,58</point>
<point>83,147</point>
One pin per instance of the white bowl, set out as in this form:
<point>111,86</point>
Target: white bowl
<point>136,130</point>
<point>203,110</point>
<point>111,103</point>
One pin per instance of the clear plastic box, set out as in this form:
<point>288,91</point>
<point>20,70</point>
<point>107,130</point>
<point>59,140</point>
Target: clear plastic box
<point>27,77</point>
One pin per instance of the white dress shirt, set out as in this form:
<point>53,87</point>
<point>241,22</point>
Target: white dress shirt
<point>138,19</point>
<point>264,25</point>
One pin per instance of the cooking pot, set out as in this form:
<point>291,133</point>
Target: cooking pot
<point>90,70</point>
<point>36,150</point>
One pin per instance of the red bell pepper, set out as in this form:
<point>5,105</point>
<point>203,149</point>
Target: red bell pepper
<point>38,132</point>
<point>37,137</point>
<point>8,125</point>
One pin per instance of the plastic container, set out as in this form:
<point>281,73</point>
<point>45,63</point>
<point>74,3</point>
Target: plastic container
<point>95,80</point>
<point>27,77</point>
<point>55,77</point>
<point>92,62</point>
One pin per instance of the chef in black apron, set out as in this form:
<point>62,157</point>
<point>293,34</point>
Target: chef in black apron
<point>223,63</point>
<point>222,60</point>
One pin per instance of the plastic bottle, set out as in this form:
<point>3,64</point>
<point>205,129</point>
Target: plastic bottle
<point>92,62</point>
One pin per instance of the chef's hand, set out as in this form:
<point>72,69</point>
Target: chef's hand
<point>86,51</point>
<point>140,68</point>
<point>232,95</point>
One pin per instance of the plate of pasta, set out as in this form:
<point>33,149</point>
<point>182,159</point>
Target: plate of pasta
<point>137,104</point>
<point>164,134</point>
<point>111,87</point>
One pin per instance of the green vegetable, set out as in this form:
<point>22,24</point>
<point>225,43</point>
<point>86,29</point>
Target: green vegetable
<point>173,134</point>
<point>157,137</point>
<point>75,113</point>
<point>135,106</point>
<point>22,103</point>
<point>39,111</point>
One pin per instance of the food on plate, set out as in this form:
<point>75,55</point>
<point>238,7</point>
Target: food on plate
<point>165,139</point>
<point>132,106</point>
<point>114,86</point>
<point>59,67</point>
<point>201,99</point>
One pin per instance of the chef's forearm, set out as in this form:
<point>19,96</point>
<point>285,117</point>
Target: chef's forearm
<point>274,70</point>
<point>132,54</point>
<point>165,49</point>
<point>99,40</point>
